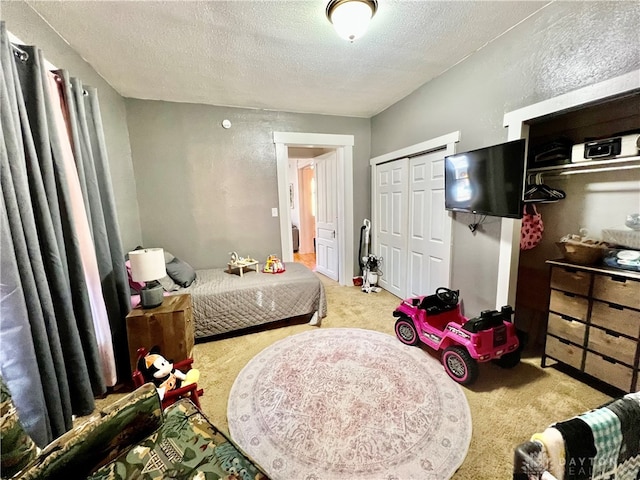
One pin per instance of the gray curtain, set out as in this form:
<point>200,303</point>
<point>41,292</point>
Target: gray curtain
<point>89,151</point>
<point>50,358</point>
<point>21,371</point>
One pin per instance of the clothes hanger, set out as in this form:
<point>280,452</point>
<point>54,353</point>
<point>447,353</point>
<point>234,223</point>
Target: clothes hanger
<point>538,192</point>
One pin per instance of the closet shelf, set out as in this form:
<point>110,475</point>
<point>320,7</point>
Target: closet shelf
<point>586,167</point>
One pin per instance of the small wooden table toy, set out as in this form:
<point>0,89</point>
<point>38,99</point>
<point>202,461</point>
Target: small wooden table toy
<point>241,267</point>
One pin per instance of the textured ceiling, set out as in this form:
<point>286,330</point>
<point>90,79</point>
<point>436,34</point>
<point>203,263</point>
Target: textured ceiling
<point>277,55</point>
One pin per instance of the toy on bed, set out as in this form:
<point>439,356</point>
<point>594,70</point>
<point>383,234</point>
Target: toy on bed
<point>163,374</point>
<point>273,265</point>
<point>240,261</point>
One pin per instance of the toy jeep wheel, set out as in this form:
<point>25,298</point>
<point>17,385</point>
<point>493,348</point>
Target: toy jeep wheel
<point>508,360</point>
<point>406,331</point>
<point>459,365</point>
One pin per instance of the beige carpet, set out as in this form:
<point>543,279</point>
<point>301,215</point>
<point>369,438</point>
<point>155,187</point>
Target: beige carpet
<point>507,406</point>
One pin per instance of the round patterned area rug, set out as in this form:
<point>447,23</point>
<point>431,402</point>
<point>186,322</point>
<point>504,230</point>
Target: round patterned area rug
<point>347,403</point>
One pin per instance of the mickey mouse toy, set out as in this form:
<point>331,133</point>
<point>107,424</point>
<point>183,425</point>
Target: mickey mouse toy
<point>157,369</point>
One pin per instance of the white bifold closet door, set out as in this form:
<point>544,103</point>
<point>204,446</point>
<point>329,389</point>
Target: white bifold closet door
<point>390,222</point>
<point>413,229</point>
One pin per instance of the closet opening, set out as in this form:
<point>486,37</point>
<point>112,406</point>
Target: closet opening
<point>573,195</point>
<point>332,189</point>
<point>303,202</point>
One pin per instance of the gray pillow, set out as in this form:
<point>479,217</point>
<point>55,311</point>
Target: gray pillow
<point>168,285</point>
<point>181,272</point>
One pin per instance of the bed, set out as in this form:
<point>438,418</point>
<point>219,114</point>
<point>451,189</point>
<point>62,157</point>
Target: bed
<point>224,302</point>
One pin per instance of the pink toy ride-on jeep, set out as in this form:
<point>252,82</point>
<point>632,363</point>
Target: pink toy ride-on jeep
<point>436,321</point>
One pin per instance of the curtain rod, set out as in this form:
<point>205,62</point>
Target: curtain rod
<point>19,53</point>
<point>16,43</point>
<point>24,56</point>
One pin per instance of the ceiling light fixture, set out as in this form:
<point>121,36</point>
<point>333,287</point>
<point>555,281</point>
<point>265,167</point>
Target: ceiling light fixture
<point>351,18</point>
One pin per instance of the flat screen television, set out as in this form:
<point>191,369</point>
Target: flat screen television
<point>487,181</point>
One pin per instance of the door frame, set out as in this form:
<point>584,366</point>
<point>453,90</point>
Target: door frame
<point>446,142</point>
<point>516,122</point>
<point>343,144</point>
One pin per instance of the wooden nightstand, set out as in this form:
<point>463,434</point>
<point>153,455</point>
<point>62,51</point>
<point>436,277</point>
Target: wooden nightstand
<point>170,326</point>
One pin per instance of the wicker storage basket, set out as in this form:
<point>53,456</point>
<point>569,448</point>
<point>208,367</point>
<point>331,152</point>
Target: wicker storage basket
<point>582,253</point>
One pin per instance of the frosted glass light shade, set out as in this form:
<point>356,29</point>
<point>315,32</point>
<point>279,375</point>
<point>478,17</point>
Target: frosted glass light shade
<point>147,264</point>
<point>351,18</point>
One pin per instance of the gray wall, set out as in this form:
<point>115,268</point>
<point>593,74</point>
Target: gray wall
<point>205,191</point>
<point>24,23</point>
<point>565,46</point>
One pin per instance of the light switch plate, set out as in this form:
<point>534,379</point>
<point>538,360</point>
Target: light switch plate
<point>274,212</point>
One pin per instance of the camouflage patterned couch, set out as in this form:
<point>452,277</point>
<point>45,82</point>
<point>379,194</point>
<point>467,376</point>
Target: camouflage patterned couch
<point>131,438</point>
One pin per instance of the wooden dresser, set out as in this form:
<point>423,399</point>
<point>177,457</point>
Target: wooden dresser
<point>170,326</point>
<point>594,322</point>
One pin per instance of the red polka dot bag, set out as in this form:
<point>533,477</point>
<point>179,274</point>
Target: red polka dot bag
<point>532,228</point>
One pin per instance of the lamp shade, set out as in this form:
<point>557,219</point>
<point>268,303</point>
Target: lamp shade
<point>147,264</point>
<point>351,18</point>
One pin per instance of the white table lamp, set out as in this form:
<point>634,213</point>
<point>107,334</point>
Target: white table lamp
<point>147,265</point>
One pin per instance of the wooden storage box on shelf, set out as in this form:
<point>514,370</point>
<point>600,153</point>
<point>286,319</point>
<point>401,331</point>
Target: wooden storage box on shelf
<point>612,344</point>
<point>567,328</point>
<point>609,371</point>
<point>569,304</point>
<point>617,289</point>
<point>570,280</point>
<point>564,352</point>
<point>170,326</point>
<point>616,317</point>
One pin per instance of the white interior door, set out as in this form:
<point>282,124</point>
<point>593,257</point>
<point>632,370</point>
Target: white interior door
<point>327,255</point>
<point>391,224</point>
<point>429,229</point>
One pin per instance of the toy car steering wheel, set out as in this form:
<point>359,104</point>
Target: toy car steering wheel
<point>447,296</point>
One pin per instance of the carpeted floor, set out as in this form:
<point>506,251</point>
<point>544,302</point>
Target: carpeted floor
<point>507,406</point>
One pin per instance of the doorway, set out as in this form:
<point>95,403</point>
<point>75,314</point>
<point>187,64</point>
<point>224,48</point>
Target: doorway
<point>306,196</point>
<point>517,123</point>
<point>343,147</point>
<point>304,214</point>
<point>314,208</point>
